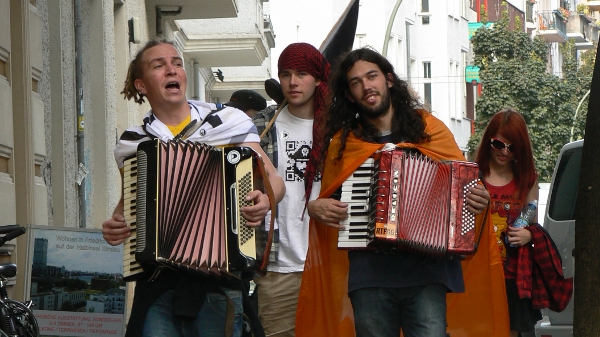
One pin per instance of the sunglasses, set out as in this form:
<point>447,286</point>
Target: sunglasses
<point>499,145</point>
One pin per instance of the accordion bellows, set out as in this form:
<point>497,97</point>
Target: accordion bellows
<point>404,200</point>
<point>183,201</point>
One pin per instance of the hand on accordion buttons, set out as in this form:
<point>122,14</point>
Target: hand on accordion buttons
<point>256,213</point>
<point>478,199</point>
<point>328,211</point>
<point>115,230</point>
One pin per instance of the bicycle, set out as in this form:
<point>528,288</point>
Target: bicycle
<point>16,318</point>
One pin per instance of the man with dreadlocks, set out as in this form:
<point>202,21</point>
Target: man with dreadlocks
<point>292,145</point>
<point>175,303</point>
<point>381,292</point>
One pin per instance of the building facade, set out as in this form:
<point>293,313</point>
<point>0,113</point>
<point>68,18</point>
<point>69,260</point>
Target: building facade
<point>62,67</point>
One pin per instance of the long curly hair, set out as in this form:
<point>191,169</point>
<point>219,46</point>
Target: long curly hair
<point>344,115</point>
<point>135,71</point>
<point>511,125</point>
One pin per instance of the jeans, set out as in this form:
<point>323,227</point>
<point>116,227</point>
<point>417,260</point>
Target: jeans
<point>418,311</point>
<point>210,321</point>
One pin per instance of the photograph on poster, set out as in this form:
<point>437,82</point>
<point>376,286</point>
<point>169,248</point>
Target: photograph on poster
<point>77,285</point>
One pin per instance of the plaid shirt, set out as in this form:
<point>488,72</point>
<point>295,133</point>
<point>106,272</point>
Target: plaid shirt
<point>269,141</point>
<point>539,273</point>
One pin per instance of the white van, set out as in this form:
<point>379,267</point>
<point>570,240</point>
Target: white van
<point>559,220</point>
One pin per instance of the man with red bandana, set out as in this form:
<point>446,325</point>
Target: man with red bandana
<point>292,145</point>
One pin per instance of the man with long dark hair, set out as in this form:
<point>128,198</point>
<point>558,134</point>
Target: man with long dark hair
<point>389,290</point>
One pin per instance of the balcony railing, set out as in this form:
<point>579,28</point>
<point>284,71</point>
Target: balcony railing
<point>577,27</point>
<point>583,30</point>
<point>593,32</point>
<point>591,37</point>
<point>552,26</point>
<point>269,33</point>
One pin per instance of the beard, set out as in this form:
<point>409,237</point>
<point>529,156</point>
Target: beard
<point>378,110</point>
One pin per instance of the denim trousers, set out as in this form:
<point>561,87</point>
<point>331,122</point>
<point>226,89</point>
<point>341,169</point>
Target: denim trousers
<point>418,311</point>
<point>210,321</point>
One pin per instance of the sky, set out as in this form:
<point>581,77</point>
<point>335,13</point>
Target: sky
<point>299,21</point>
<point>84,251</point>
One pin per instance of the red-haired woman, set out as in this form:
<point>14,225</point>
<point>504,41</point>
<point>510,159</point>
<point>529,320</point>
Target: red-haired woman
<point>506,161</point>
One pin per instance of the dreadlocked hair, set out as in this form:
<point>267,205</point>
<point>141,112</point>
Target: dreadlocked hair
<point>344,116</point>
<point>135,71</point>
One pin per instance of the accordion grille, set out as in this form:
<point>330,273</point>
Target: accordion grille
<point>141,201</point>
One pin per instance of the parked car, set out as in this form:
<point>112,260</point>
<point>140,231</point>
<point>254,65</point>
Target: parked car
<point>559,220</point>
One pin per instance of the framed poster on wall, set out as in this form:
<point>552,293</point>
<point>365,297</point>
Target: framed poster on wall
<point>77,285</point>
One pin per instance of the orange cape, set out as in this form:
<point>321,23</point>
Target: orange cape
<point>324,308</point>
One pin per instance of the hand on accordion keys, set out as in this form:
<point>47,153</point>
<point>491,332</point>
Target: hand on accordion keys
<point>328,211</point>
<point>256,213</point>
<point>478,199</point>
<point>115,230</point>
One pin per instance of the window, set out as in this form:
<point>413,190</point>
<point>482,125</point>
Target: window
<point>361,38</point>
<point>565,187</point>
<point>2,68</point>
<point>425,6</point>
<point>426,69</point>
<point>464,8</point>
<point>427,84</point>
<point>3,164</point>
<point>427,93</point>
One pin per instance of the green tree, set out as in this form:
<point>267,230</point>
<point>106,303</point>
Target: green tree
<point>514,74</point>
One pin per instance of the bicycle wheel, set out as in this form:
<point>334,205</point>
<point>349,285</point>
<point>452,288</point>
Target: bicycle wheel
<point>25,322</point>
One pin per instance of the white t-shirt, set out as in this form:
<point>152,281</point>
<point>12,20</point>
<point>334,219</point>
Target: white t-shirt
<point>294,141</point>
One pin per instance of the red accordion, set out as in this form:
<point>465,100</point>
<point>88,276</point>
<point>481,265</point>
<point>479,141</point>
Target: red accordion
<point>182,201</point>
<point>404,200</point>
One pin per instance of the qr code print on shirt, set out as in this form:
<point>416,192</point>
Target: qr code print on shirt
<point>297,153</point>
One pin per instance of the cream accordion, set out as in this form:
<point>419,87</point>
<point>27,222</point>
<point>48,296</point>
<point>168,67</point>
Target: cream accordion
<point>182,201</point>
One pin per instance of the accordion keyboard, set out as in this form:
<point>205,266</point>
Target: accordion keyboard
<point>356,191</point>
<point>130,265</point>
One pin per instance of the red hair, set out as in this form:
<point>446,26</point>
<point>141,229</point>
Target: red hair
<point>511,125</point>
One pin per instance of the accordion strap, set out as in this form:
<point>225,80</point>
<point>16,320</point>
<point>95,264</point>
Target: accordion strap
<point>270,124</point>
<point>273,204</point>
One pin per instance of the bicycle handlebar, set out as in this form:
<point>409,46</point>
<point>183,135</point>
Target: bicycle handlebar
<point>18,231</point>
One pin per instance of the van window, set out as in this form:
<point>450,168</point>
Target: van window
<point>565,187</point>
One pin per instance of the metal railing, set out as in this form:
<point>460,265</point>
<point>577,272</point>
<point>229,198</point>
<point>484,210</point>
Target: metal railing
<point>551,20</point>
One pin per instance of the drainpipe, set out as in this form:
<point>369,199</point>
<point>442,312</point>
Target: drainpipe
<point>82,170</point>
<point>196,77</point>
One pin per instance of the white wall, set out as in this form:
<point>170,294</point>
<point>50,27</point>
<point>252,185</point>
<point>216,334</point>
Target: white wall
<point>441,42</point>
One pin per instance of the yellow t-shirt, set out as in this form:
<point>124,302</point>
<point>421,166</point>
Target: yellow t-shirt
<point>175,130</point>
